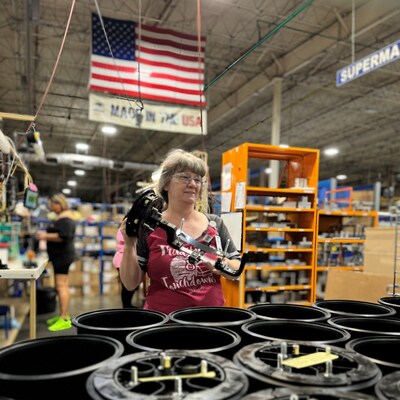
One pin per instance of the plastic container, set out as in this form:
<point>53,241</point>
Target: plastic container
<point>117,323</point>
<point>198,338</point>
<point>293,312</point>
<point>312,332</point>
<point>393,302</point>
<point>354,308</point>
<point>222,317</point>
<point>54,367</point>
<point>362,327</point>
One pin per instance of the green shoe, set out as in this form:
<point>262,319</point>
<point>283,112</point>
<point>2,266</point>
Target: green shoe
<point>53,320</point>
<point>60,325</point>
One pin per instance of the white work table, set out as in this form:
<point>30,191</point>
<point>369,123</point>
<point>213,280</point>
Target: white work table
<point>16,270</point>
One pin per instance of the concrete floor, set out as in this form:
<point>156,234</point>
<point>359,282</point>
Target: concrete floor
<point>78,305</point>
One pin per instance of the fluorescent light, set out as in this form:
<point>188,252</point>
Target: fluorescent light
<point>332,151</point>
<point>66,191</point>
<point>341,177</point>
<point>79,172</point>
<point>71,183</point>
<point>109,130</point>
<point>268,170</point>
<point>82,146</point>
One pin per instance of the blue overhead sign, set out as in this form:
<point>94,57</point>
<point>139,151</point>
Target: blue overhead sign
<point>369,63</point>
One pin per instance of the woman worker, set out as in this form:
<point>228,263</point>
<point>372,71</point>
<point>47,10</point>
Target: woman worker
<point>174,282</point>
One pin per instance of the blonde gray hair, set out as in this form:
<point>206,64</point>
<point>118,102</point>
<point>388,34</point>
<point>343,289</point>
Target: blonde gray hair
<point>179,161</point>
<point>60,199</point>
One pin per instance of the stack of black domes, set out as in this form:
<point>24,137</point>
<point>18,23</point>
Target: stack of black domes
<point>334,349</point>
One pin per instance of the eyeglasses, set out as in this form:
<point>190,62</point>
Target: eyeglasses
<point>186,179</point>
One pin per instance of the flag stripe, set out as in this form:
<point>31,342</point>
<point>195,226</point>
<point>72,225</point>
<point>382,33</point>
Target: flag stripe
<point>109,67</point>
<point>168,53</point>
<point>161,77</point>
<point>166,64</point>
<point>177,78</point>
<point>153,95</point>
<point>165,31</point>
<point>113,67</point>
<point>168,43</point>
<point>169,65</point>
<point>177,87</point>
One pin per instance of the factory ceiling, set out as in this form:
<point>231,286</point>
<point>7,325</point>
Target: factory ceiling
<point>255,51</point>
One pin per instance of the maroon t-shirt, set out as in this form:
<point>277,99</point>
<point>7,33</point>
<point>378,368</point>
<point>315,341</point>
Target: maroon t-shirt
<point>175,282</point>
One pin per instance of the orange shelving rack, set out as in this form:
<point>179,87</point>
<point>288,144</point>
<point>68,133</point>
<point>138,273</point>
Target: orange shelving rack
<point>279,225</point>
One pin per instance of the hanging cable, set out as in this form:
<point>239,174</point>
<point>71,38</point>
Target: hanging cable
<point>259,43</point>
<point>138,102</point>
<point>201,109</point>
<point>353,31</point>
<point>139,51</point>
<point>201,70</point>
<point>56,64</point>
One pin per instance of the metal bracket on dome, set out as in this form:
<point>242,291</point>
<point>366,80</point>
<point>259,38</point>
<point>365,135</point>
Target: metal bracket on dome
<point>145,215</point>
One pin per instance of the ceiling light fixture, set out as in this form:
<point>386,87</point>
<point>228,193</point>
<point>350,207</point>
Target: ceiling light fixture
<point>72,183</point>
<point>82,146</point>
<point>332,151</point>
<point>109,130</point>
<point>66,191</point>
<point>268,170</point>
<point>341,177</point>
<point>79,172</point>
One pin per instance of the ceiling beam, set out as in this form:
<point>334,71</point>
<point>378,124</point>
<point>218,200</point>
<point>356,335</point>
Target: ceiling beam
<point>367,17</point>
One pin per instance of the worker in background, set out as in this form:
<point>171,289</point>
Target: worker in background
<point>174,282</point>
<point>59,236</point>
<point>126,295</point>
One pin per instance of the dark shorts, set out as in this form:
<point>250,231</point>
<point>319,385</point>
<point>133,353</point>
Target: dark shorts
<point>61,266</point>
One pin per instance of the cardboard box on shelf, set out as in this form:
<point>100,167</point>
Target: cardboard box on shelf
<point>91,230</point>
<point>47,280</point>
<point>111,288</point>
<point>3,288</point>
<point>379,240</point>
<point>354,285</point>
<point>90,290</point>
<point>110,244</point>
<point>85,210</point>
<point>118,217</point>
<point>379,250</point>
<point>110,230</point>
<point>76,265</point>
<point>90,278</point>
<point>76,291</point>
<point>105,215</point>
<point>91,265</point>
<point>75,278</point>
<point>363,195</point>
<point>108,266</point>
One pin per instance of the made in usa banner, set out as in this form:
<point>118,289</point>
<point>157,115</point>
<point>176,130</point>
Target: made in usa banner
<point>165,118</point>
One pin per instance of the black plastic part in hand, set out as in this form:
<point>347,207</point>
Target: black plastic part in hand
<point>146,209</point>
<point>226,269</point>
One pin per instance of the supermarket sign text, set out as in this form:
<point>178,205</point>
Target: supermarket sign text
<point>368,64</point>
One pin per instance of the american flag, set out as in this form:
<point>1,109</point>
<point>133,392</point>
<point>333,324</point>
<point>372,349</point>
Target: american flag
<point>165,64</point>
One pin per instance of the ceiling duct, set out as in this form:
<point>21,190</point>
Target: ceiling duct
<point>82,161</point>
